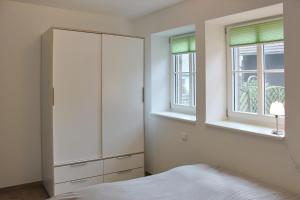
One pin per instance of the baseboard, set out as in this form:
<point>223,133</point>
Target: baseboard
<point>22,186</point>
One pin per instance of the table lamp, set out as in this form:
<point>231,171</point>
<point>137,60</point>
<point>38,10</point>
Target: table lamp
<point>277,109</point>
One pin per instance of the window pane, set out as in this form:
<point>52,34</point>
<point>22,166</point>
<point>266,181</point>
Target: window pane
<point>184,89</point>
<point>245,92</point>
<point>274,56</point>
<point>176,91</point>
<point>193,79</point>
<point>244,58</point>
<point>184,61</point>
<point>194,89</point>
<point>274,89</point>
<point>184,79</point>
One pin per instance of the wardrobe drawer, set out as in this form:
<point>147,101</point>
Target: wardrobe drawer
<point>123,163</point>
<point>78,171</point>
<point>70,186</point>
<point>124,175</point>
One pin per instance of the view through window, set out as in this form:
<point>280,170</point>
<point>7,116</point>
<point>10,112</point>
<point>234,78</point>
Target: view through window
<point>245,76</point>
<point>184,79</point>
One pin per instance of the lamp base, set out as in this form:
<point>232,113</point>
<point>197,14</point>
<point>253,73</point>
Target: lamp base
<point>277,132</point>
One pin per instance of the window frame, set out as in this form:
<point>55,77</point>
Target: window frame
<point>258,118</point>
<point>191,110</point>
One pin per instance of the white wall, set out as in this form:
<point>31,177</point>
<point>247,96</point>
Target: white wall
<point>160,61</point>
<point>20,58</point>
<point>292,71</point>
<point>262,158</point>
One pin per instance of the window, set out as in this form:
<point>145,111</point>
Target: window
<point>255,69</point>
<point>183,74</point>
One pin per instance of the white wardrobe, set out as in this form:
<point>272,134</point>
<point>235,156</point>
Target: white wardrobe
<point>92,109</point>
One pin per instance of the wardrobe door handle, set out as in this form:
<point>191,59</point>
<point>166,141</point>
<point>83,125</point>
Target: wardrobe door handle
<point>79,164</point>
<point>125,171</point>
<point>123,157</point>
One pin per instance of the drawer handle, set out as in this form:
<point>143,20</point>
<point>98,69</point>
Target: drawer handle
<point>79,164</point>
<point>79,181</point>
<point>125,171</point>
<point>123,157</point>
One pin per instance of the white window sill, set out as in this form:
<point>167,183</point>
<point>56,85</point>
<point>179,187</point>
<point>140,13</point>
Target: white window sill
<point>176,116</point>
<point>247,128</point>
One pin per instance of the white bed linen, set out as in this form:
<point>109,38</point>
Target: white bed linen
<point>192,182</point>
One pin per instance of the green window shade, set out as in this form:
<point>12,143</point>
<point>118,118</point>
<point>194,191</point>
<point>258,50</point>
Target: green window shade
<point>270,31</point>
<point>183,44</point>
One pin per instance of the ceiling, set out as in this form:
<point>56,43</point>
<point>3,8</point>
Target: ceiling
<point>123,8</point>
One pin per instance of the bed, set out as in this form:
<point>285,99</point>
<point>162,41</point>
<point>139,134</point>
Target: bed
<point>191,182</point>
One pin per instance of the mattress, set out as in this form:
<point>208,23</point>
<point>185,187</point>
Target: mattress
<point>191,182</point>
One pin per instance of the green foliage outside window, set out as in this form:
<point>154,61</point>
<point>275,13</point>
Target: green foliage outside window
<point>248,96</point>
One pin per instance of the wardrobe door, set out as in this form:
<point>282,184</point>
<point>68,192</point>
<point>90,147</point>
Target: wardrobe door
<point>77,90</point>
<point>122,99</point>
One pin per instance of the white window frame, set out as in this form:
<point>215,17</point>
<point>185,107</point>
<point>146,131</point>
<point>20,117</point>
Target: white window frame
<point>252,118</point>
<point>191,110</point>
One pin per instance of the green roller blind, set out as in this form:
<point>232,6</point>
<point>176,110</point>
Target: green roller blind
<point>183,44</point>
<point>257,33</point>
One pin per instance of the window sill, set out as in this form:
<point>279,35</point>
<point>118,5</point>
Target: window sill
<point>247,128</point>
<point>176,116</point>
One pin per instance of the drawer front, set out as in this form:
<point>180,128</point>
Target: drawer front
<point>78,171</point>
<point>76,184</point>
<point>123,163</point>
<point>124,175</point>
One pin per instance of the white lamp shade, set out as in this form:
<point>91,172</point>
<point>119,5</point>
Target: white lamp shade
<point>277,108</point>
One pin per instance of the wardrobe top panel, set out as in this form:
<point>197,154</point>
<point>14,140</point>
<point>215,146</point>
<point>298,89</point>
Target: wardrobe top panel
<point>90,31</point>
